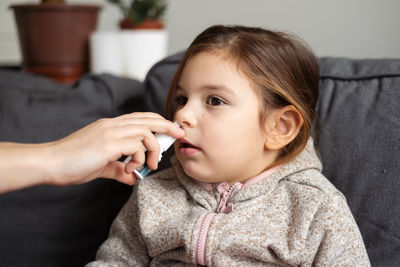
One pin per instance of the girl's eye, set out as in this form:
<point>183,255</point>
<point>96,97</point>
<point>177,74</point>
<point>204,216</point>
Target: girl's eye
<point>215,101</point>
<point>180,100</point>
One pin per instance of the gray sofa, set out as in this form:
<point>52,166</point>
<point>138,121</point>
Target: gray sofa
<point>357,136</point>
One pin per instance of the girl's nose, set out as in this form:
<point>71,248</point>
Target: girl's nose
<point>186,116</point>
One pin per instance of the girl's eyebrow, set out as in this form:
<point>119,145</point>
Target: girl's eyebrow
<point>219,87</point>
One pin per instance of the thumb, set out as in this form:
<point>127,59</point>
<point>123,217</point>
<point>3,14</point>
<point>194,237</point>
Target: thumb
<point>116,170</point>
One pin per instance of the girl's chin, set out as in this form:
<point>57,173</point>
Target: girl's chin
<point>198,173</point>
<point>194,171</point>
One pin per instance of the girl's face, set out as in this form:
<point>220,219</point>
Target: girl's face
<point>219,112</point>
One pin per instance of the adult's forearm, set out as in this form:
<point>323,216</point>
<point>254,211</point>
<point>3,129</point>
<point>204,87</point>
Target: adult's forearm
<point>23,165</point>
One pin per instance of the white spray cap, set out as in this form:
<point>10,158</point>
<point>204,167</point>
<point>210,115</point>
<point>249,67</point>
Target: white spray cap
<point>165,141</point>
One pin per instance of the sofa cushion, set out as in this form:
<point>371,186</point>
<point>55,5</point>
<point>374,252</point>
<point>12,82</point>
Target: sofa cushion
<point>157,82</point>
<point>359,143</point>
<point>59,226</point>
<point>358,138</point>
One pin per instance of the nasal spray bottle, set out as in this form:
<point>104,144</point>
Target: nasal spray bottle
<point>165,142</point>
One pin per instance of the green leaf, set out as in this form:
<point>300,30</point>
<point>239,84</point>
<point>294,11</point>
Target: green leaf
<point>140,10</point>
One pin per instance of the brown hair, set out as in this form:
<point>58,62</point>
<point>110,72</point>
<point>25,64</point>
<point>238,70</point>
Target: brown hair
<point>281,68</point>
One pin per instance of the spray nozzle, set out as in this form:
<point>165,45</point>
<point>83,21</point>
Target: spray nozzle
<point>165,141</point>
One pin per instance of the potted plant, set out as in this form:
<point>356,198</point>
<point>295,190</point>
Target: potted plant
<point>54,38</point>
<point>141,14</point>
<point>142,41</point>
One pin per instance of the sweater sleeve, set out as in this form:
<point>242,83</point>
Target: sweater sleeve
<point>335,236</point>
<point>125,245</point>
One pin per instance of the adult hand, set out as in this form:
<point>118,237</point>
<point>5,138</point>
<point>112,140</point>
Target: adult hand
<point>86,154</point>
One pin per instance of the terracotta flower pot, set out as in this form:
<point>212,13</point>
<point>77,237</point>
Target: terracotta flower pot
<point>54,38</point>
<point>149,24</point>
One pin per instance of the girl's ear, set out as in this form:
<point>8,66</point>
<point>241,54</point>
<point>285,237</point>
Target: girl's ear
<point>282,127</point>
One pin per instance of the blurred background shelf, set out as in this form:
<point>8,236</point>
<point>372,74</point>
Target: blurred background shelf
<point>356,29</point>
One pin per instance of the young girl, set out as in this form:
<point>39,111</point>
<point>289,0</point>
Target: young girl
<point>246,186</point>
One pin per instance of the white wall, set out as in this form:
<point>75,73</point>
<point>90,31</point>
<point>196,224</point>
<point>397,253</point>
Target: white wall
<point>347,28</point>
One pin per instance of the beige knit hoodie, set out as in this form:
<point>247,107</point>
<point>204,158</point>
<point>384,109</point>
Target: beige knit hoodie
<point>292,217</point>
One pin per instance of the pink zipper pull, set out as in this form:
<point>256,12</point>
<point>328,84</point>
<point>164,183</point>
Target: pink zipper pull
<point>226,191</point>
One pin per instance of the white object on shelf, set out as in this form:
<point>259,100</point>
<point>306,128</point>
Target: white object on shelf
<point>142,49</point>
<point>105,53</point>
<point>127,53</point>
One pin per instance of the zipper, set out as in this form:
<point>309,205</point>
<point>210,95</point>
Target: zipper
<point>206,222</point>
<point>202,238</point>
<point>222,207</point>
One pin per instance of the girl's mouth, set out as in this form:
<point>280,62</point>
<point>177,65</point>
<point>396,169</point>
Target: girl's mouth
<point>186,148</point>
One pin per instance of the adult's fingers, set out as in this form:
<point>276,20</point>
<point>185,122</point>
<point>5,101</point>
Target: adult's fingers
<point>141,115</point>
<point>116,170</point>
<point>154,122</point>
<point>133,138</point>
<point>138,157</point>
